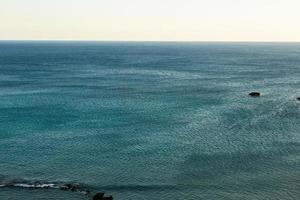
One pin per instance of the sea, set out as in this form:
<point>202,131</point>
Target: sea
<point>150,120</point>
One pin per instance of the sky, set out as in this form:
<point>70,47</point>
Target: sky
<point>150,20</point>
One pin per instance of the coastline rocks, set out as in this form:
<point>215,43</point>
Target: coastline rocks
<point>73,187</point>
<point>69,187</point>
<point>100,196</point>
<point>254,94</point>
<point>108,198</point>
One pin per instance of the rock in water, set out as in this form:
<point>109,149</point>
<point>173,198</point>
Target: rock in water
<point>254,94</point>
<point>99,196</point>
<point>298,98</point>
<point>72,187</point>
<point>108,198</point>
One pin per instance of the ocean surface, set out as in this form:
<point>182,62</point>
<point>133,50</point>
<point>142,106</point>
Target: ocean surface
<point>144,121</point>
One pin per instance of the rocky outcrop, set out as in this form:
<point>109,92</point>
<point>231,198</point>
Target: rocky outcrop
<point>108,198</point>
<point>254,94</point>
<point>100,196</point>
<point>74,187</point>
<point>71,187</point>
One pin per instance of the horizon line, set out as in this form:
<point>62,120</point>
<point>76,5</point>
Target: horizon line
<point>212,41</point>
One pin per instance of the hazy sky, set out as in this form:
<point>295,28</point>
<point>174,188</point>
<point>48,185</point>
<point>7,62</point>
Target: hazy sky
<point>192,20</point>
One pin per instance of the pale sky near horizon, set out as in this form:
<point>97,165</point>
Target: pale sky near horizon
<point>150,20</point>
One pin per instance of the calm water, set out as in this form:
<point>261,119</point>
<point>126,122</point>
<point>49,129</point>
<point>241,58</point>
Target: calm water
<point>151,120</point>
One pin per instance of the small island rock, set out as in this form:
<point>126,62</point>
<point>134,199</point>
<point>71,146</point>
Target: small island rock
<point>254,94</point>
<point>108,198</point>
<point>71,187</point>
<point>98,196</point>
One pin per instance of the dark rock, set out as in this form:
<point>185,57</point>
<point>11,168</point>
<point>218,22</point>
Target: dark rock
<point>108,198</point>
<point>298,98</point>
<point>254,94</point>
<point>99,196</point>
<point>74,187</point>
<point>71,187</point>
<point>63,188</point>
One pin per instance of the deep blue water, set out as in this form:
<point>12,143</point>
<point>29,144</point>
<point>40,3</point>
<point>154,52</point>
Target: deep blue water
<point>151,120</point>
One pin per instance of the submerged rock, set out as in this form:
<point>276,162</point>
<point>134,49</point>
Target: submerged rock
<point>298,98</point>
<point>72,187</point>
<point>100,196</point>
<point>254,94</point>
<point>108,198</point>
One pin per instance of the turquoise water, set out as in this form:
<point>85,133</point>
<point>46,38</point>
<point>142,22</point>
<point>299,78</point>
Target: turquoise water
<point>151,120</point>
